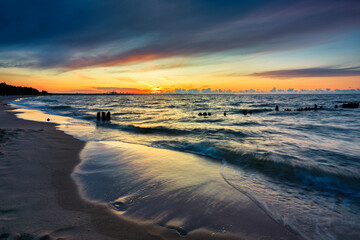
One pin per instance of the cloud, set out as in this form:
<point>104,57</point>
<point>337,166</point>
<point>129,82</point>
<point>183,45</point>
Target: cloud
<point>310,72</point>
<point>156,67</point>
<point>162,67</point>
<point>125,79</point>
<point>11,75</point>
<point>18,59</point>
<point>83,76</point>
<point>77,34</point>
<point>121,90</point>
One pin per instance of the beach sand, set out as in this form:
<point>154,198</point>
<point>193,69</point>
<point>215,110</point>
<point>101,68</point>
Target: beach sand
<point>40,200</point>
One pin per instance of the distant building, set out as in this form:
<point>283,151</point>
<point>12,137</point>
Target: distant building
<point>206,90</point>
<point>193,91</point>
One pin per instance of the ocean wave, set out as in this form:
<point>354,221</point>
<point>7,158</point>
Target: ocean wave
<point>125,113</point>
<point>263,105</point>
<point>161,130</point>
<point>207,120</point>
<point>308,176</point>
<point>61,107</point>
<point>48,100</point>
<point>235,103</point>
<point>322,128</point>
<point>151,130</point>
<point>314,177</point>
<point>247,123</point>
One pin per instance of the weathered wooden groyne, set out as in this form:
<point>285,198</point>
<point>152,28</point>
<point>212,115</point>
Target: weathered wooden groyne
<point>103,116</point>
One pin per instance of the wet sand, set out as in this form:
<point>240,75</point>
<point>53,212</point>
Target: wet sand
<point>39,199</point>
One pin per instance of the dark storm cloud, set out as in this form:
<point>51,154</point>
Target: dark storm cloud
<point>77,34</point>
<point>310,72</point>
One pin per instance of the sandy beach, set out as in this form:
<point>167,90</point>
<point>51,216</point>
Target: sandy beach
<point>40,200</point>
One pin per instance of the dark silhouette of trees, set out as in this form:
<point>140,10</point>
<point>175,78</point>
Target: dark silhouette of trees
<point>6,89</point>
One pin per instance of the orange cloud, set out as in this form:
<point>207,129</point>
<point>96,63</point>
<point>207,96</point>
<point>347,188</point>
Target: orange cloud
<point>125,79</point>
<point>83,76</point>
<point>11,75</point>
<point>160,67</point>
<point>122,90</point>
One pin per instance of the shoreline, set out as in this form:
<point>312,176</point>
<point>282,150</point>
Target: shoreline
<point>97,221</point>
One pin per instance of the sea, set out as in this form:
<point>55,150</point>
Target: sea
<point>301,167</point>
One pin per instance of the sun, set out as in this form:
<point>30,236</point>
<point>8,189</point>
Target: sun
<point>156,90</point>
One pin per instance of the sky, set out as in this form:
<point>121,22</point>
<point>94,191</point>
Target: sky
<point>149,46</point>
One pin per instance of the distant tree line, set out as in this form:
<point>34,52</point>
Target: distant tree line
<point>6,89</point>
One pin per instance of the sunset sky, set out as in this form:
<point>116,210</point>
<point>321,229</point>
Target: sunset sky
<point>141,46</point>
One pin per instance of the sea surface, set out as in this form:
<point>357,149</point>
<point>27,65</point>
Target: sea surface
<point>301,167</point>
